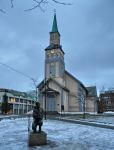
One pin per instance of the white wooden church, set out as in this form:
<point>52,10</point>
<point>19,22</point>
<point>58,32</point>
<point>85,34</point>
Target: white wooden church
<point>60,90</point>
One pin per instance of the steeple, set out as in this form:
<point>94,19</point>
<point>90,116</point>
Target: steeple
<point>54,55</point>
<point>54,27</point>
<point>54,34</point>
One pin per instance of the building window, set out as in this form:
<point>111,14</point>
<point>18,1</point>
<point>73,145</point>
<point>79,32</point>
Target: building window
<point>21,100</point>
<point>61,69</point>
<point>52,69</point>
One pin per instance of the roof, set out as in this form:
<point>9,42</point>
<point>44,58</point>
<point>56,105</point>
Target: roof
<point>50,90</point>
<point>110,91</point>
<point>41,84</point>
<point>54,46</point>
<point>14,93</point>
<point>92,91</point>
<point>54,27</point>
<point>76,79</point>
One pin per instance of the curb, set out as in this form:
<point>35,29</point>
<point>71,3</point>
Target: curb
<point>85,123</point>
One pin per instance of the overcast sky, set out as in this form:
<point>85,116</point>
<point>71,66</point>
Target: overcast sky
<point>87,38</point>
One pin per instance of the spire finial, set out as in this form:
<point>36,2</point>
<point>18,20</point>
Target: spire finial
<point>54,11</point>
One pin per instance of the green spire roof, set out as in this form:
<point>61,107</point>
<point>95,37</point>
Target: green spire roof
<point>54,27</point>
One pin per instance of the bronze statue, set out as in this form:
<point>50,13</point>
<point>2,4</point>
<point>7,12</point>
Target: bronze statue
<point>37,117</point>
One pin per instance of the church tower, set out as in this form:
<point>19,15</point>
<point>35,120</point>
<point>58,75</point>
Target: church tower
<point>54,56</point>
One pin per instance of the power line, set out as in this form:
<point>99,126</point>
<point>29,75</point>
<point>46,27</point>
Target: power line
<point>25,75</point>
<point>13,69</point>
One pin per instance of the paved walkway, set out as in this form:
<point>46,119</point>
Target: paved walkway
<point>102,122</point>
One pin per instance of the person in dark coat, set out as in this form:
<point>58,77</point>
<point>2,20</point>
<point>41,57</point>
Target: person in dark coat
<point>37,117</point>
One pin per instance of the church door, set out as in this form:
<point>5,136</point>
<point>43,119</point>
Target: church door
<point>51,104</point>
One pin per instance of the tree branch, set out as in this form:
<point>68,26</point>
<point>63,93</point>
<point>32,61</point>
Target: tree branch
<point>12,3</point>
<point>38,5</point>
<point>63,3</point>
<point>1,10</point>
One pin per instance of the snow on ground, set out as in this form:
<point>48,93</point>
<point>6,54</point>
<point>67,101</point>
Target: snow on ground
<point>103,120</point>
<point>98,119</point>
<point>61,136</point>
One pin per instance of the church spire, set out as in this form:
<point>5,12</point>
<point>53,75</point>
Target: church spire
<point>54,34</point>
<point>54,27</point>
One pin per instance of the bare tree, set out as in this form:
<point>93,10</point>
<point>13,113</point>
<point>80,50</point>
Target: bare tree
<point>80,96</point>
<point>38,4</point>
<point>82,99</point>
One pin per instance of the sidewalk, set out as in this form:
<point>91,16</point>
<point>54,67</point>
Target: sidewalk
<point>96,122</point>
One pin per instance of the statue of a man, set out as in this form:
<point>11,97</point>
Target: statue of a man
<point>37,117</point>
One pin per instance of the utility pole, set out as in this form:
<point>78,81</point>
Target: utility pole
<point>35,85</point>
<point>83,108</point>
<point>45,99</point>
<point>45,91</point>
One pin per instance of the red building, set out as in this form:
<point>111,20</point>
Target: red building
<point>106,101</point>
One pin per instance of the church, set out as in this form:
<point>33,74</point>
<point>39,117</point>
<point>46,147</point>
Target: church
<point>60,91</point>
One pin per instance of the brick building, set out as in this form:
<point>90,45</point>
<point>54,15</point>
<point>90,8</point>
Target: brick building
<point>106,101</point>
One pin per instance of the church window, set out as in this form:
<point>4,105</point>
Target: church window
<point>61,69</point>
<point>52,69</point>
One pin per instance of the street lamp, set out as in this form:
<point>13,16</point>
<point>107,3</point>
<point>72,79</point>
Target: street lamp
<point>45,98</point>
<point>45,90</point>
<point>35,85</point>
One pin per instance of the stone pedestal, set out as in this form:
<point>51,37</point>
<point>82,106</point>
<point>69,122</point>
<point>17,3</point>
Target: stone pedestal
<point>36,139</point>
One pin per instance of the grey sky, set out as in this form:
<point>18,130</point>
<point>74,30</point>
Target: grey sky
<point>87,38</point>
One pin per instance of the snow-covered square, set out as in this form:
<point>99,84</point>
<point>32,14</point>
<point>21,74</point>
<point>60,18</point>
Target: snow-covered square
<point>61,136</point>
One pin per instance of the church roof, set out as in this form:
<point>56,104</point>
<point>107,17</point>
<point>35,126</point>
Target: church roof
<point>42,84</point>
<point>54,27</point>
<point>54,46</point>
<point>92,91</point>
<point>76,80</point>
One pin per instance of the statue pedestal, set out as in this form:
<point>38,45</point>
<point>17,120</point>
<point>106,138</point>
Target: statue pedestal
<point>38,138</point>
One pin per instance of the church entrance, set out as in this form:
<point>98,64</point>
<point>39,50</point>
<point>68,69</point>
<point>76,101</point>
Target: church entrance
<point>51,103</point>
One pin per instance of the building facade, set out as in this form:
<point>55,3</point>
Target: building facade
<point>106,101</point>
<point>61,91</point>
<point>92,100</point>
<point>19,102</point>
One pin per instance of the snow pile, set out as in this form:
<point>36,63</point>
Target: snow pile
<point>109,113</point>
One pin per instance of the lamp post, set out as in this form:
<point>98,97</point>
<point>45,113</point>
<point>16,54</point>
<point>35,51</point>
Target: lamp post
<point>45,98</point>
<point>84,108</point>
<point>35,85</point>
<point>45,91</point>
